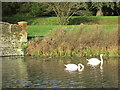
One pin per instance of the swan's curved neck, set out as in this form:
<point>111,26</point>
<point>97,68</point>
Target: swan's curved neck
<point>82,67</point>
<point>101,58</point>
<point>101,61</point>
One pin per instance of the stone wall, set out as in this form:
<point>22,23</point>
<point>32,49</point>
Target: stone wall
<point>10,39</point>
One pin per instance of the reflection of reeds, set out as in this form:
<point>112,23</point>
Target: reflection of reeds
<point>80,42</point>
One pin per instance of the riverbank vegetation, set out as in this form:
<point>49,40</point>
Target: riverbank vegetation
<point>43,30</point>
<point>67,28</point>
<point>78,41</point>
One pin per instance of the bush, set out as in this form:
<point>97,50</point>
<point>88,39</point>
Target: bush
<point>80,42</point>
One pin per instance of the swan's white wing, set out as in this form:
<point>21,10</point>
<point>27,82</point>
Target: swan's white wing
<point>71,66</point>
<point>94,61</point>
<point>93,64</point>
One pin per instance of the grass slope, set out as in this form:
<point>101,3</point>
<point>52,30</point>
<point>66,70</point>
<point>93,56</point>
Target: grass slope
<point>75,20</point>
<point>42,30</point>
<point>91,20</point>
<point>40,26</point>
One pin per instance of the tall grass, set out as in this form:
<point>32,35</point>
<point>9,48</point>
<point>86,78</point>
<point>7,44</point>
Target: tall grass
<point>81,41</point>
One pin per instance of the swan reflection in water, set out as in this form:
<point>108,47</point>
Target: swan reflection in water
<point>74,67</point>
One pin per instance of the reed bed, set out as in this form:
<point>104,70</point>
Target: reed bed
<point>81,41</point>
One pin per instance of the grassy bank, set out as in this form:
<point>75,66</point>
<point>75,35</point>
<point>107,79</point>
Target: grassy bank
<point>80,41</point>
<point>40,26</point>
<point>75,20</point>
<point>42,30</point>
<point>91,20</point>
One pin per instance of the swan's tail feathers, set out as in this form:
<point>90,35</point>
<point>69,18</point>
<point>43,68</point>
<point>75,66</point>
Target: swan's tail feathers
<point>65,65</point>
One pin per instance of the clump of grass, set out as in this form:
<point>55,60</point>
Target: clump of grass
<point>89,41</point>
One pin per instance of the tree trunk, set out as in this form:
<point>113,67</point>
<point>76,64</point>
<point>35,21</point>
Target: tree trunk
<point>99,13</point>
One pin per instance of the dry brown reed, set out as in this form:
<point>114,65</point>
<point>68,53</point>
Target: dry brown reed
<point>80,42</point>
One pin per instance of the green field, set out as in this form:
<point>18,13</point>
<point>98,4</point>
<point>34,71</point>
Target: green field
<point>42,30</point>
<point>39,30</point>
<point>75,20</point>
<point>40,26</point>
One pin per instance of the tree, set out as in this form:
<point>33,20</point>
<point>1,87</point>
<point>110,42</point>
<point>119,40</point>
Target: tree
<point>64,10</point>
<point>10,8</point>
<point>117,8</point>
<point>32,9</point>
<point>84,11</point>
<point>25,9</point>
<point>101,6</point>
<point>39,9</point>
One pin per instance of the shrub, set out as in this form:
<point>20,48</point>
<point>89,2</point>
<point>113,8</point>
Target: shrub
<point>80,42</point>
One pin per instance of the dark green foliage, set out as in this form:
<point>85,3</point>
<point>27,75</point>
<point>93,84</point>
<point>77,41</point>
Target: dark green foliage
<point>10,8</point>
<point>35,9</point>
<point>25,9</point>
<point>106,8</point>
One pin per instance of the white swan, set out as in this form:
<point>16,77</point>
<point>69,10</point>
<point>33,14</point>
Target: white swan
<point>95,61</point>
<point>73,67</point>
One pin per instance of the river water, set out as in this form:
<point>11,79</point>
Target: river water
<point>30,72</point>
